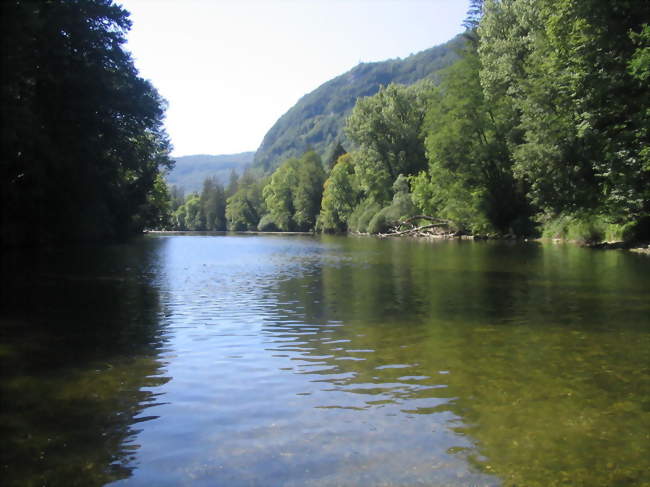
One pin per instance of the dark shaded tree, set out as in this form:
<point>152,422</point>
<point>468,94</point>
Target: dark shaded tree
<point>82,136</point>
<point>309,191</point>
<point>213,205</point>
<point>177,197</point>
<point>233,183</point>
<point>470,178</point>
<point>474,14</point>
<point>336,154</point>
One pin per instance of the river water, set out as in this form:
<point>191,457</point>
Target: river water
<point>298,361</point>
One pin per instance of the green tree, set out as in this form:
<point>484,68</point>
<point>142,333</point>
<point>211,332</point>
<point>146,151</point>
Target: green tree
<point>386,128</point>
<point>213,205</point>
<point>473,16</point>
<point>193,216</point>
<point>81,157</point>
<point>233,182</point>
<point>294,192</point>
<point>278,194</point>
<point>564,65</point>
<point>336,154</point>
<point>245,208</point>
<point>639,65</point>
<point>401,207</point>
<point>178,218</point>
<point>308,193</point>
<point>470,178</point>
<point>341,194</point>
<point>157,210</point>
<point>177,197</point>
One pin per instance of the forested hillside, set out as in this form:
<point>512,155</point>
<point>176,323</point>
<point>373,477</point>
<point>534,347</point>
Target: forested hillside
<point>189,172</point>
<point>316,121</point>
<point>541,126</point>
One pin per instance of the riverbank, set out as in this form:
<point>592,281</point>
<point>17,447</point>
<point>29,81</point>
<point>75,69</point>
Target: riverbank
<point>637,247</point>
<point>200,232</point>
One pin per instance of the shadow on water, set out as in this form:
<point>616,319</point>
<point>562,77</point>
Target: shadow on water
<point>81,333</point>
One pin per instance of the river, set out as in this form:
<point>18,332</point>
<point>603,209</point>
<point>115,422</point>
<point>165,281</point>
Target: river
<point>296,361</point>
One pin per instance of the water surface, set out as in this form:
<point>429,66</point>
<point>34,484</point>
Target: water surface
<point>251,360</point>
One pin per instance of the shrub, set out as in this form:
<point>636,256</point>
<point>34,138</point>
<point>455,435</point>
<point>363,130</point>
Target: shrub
<point>362,214</point>
<point>267,224</point>
<point>588,228</point>
<point>380,223</point>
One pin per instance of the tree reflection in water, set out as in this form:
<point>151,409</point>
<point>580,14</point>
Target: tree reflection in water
<point>537,359</point>
<point>82,332</point>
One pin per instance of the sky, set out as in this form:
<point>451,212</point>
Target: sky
<point>230,68</point>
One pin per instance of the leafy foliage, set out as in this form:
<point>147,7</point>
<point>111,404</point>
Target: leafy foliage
<point>84,143</point>
<point>279,194</point>
<point>246,206</point>
<point>474,13</point>
<point>213,205</point>
<point>639,65</point>
<point>386,128</point>
<point>586,228</point>
<point>546,112</point>
<point>156,212</point>
<point>341,194</point>
<point>294,191</point>
<point>362,215</point>
<point>401,208</point>
<point>544,116</point>
<point>569,69</point>
<point>470,167</point>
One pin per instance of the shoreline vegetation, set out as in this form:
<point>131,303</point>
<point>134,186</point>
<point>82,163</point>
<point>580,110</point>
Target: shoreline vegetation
<point>221,232</point>
<point>638,247</point>
<point>516,138</point>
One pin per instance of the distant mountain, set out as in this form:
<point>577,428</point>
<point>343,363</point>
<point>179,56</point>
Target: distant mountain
<point>190,171</point>
<point>317,120</point>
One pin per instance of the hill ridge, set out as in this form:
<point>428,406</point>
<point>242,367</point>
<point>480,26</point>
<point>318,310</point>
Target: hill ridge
<point>316,120</point>
<point>190,171</point>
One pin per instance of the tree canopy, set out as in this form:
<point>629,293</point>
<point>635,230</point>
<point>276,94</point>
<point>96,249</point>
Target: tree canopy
<point>573,73</point>
<point>293,194</point>
<point>387,130</point>
<point>544,117</point>
<point>541,124</point>
<point>82,136</point>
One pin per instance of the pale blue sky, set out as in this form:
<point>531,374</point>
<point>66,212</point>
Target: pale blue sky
<point>230,68</point>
